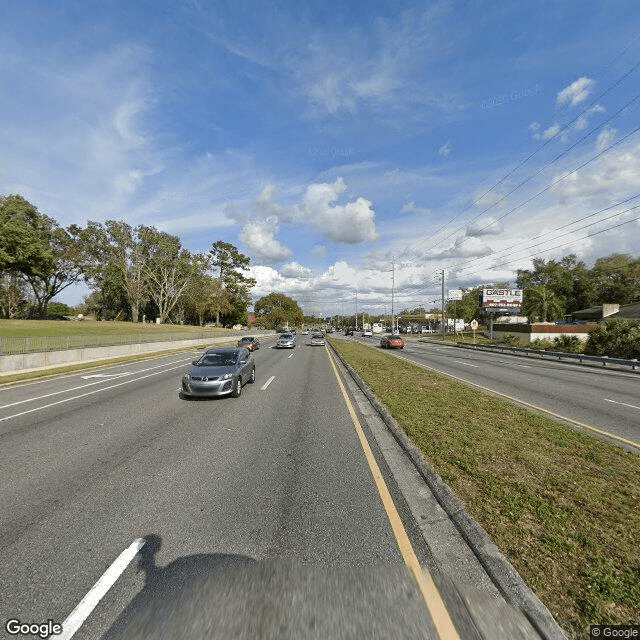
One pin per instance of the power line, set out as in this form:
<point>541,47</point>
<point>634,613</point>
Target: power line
<point>466,264</point>
<point>521,163</point>
<point>589,235</point>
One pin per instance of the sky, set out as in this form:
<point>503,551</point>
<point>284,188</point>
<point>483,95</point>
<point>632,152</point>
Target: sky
<point>355,151</point>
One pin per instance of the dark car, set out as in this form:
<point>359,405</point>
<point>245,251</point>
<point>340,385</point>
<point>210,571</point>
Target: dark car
<point>249,342</point>
<point>348,331</point>
<point>219,372</point>
<point>392,341</point>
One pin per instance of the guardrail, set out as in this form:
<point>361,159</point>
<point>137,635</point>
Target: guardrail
<point>560,355</point>
<point>16,345</point>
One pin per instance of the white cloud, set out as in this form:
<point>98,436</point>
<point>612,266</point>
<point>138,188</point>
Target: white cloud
<point>551,132</point>
<point>351,224</point>
<point>484,227</point>
<point>259,237</point>
<point>445,149</point>
<point>467,247</point>
<point>605,138</point>
<point>576,92</point>
<point>296,270</point>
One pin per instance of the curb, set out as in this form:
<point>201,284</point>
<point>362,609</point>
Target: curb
<point>508,581</point>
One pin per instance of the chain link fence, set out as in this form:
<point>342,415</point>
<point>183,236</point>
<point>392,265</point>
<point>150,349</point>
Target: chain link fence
<point>37,344</point>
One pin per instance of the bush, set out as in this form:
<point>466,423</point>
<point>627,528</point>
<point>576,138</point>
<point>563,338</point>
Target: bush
<point>542,345</point>
<point>616,338</point>
<point>568,344</point>
<point>510,341</point>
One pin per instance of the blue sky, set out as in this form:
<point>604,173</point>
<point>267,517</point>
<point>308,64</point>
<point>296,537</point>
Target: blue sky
<point>330,140</point>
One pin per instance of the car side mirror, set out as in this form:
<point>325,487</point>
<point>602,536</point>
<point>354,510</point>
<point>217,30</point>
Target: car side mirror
<point>194,362</point>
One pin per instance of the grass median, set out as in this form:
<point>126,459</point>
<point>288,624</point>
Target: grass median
<point>562,506</point>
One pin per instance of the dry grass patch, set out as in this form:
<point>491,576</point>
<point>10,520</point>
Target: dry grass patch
<point>561,505</point>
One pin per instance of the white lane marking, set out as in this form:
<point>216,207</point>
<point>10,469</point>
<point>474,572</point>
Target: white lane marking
<point>466,363</point>
<point>82,395</point>
<point>624,404</point>
<point>88,603</point>
<point>267,383</point>
<point>291,355</point>
<point>83,386</point>
<point>103,375</point>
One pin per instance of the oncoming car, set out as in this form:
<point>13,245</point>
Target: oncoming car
<point>286,341</point>
<point>317,339</point>
<point>249,342</point>
<point>392,341</point>
<point>219,372</point>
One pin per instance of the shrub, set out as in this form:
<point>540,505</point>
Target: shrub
<point>616,338</point>
<point>568,344</point>
<point>542,345</point>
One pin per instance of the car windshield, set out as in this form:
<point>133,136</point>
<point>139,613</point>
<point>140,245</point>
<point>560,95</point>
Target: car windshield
<point>286,336</point>
<point>218,359</point>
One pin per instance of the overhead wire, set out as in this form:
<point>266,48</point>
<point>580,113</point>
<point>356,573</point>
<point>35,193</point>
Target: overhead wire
<point>536,151</point>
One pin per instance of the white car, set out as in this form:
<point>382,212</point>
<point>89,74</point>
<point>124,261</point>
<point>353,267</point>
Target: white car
<point>367,333</point>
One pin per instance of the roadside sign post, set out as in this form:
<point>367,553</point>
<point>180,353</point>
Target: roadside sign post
<point>474,326</point>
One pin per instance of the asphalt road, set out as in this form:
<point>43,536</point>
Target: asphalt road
<point>606,399</point>
<point>260,515</point>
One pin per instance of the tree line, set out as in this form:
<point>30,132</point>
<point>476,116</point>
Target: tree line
<point>133,272</point>
<point>555,288</point>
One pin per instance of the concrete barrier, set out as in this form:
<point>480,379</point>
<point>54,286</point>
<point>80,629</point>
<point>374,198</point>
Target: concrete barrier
<point>25,362</point>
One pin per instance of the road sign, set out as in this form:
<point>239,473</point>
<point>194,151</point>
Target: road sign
<point>474,324</point>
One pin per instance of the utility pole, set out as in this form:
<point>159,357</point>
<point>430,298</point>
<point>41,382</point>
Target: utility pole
<point>443,324</point>
<point>356,309</point>
<point>393,281</point>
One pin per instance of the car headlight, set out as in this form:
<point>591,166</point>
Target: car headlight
<point>186,377</point>
<point>226,376</point>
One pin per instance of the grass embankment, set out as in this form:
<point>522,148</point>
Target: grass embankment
<point>55,328</point>
<point>563,507</point>
<point>39,328</point>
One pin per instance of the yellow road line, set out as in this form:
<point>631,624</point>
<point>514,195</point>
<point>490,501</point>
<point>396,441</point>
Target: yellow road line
<point>631,443</point>
<point>433,599</point>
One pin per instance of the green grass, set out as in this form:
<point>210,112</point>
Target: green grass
<point>562,506</point>
<point>38,328</point>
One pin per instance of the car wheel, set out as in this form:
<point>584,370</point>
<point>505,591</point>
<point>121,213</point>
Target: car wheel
<point>237,388</point>
<point>252,379</point>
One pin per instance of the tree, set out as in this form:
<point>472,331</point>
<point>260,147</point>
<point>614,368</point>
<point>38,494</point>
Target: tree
<point>615,338</point>
<point>167,268</point>
<point>24,238</point>
<point>568,280</point>
<point>617,278</point>
<point>205,298</point>
<point>35,248</point>
<point>276,310</point>
<point>540,302</point>
<point>230,264</point>
<point>468,308</point>
<point>116,264</point>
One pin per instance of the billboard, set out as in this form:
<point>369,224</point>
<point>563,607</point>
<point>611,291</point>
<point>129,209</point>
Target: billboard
<point>502,299</point>
<point>455,294</point>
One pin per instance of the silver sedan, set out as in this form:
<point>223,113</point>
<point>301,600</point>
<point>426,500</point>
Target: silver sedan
<point>219,372</point>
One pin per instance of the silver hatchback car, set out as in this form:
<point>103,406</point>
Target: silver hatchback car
<point>219,372</point>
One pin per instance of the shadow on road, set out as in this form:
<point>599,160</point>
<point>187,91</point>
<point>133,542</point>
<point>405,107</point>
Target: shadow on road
<point>230,596</point>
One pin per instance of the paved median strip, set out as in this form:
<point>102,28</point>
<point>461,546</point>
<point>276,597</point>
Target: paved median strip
<point>432,598</point>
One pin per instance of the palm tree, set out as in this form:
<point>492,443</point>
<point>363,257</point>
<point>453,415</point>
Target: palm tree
<point>541,302</point>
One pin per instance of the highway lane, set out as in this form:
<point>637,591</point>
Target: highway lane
<point>606,399</point>
<point>276,477</point>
